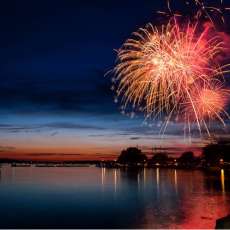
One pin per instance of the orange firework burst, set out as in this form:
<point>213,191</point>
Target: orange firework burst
<point>207,103</point>
<point>156,70</point>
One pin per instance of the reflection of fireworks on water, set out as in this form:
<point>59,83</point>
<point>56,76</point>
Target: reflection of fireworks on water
<point>175,72</point>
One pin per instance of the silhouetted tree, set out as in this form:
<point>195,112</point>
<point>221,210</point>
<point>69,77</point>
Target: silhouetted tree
<point>187,156</point>
<point>212,153</point>
<point>131,155</point>
<point>187,159</point>
<point>160,158</point>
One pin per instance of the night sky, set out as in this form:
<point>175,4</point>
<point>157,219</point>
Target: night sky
<point>55,100</point>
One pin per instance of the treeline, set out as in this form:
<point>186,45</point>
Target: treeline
<point>215,154</point>
<point>134,156</point>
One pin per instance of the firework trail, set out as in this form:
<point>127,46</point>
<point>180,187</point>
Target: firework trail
<point>171,71</point>
<point>202,10</point>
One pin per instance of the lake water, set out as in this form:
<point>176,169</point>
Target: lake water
<point>90,197</point>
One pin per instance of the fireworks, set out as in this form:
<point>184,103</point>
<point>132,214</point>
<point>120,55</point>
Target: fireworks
<point>173,72</point>
<point>208,104</point>
<point>199,9</point>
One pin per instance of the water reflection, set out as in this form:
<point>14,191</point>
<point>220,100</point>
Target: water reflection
<point>103,172</point>
<point>175,180</point>
<point>158,179</point>
<point>222,181</point>
<point>115,180</point>
<point>217,182</point>
<point>111,198</point>
<point>144,175</point>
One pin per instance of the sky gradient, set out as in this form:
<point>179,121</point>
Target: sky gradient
<point>55,100</point>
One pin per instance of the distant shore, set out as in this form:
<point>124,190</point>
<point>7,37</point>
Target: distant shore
<point>106,164</point>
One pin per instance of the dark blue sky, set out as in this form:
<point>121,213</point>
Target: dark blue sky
<point>53,58</point>
<point>54,54</point>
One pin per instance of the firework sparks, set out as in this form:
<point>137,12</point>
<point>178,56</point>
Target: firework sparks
<point>175,70</point>
<point>157,69</point>
<point>208,103</point>
<point>199,9</point>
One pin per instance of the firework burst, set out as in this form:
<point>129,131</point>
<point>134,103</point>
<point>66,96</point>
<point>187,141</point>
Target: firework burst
<point>156,69</point>
<point>174,72</point>
<point>206,103</point>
